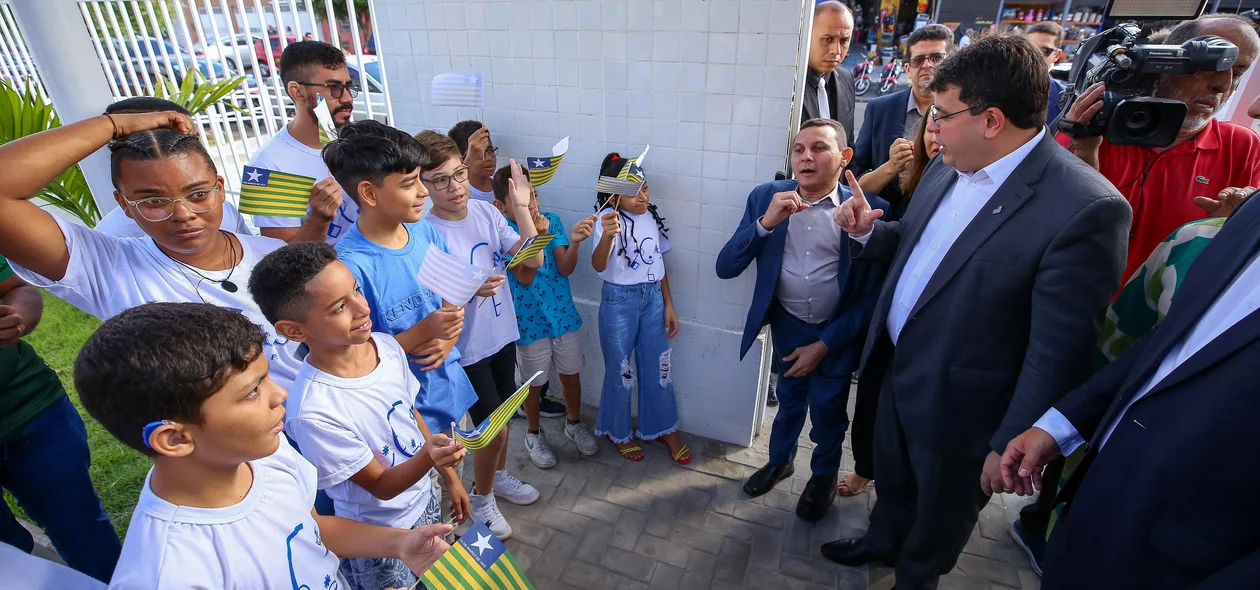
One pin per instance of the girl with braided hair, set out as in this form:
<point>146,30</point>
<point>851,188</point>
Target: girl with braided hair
<point>636,314</point>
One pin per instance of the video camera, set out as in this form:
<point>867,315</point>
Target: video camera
<point>1130,67</point>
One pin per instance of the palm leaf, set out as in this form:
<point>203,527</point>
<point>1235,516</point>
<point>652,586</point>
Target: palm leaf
<point>25,112</point>
<point>196,94</point>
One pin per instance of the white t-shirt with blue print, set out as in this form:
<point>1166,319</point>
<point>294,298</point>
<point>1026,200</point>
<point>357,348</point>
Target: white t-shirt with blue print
<point>643,260</point>
<point>343,424</point>
<point>398,301</point>
<point>284,153</point>
<point>269,540</point>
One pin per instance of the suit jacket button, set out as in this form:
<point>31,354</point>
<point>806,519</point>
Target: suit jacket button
<point>743,244</point>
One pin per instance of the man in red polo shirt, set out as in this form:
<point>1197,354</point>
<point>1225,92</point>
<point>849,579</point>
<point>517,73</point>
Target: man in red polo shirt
<point>1170,187</point>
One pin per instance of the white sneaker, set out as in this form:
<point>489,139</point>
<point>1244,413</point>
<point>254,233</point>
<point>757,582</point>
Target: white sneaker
<point>539,451</point>
<point>582,438</point>
<point>486,510</point>
<point>514,490</point>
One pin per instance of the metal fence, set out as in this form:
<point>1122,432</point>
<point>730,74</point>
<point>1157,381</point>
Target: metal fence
<point>140,43</point>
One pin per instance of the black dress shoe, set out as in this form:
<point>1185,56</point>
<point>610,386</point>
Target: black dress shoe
<point>851,552</point>
<point>764,479</point>
<point>772,399</point>
<point>816,498</point>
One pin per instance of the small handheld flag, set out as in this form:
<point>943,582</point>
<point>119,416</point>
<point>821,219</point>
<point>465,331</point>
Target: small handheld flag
<point>529,248</point>
<point>542,169</point>
<point>451,279</point>
<point>633,170</point>
<point>457,89</point>
<point>478,561</point>
<point>327,129</point>
<point>272,193</point>
<point>483,435</point>
<point>615,186</point>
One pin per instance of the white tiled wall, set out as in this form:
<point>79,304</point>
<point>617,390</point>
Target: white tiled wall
<point>707,83</point>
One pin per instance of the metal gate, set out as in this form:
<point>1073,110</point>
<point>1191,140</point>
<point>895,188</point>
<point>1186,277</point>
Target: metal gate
<point>141,42</point>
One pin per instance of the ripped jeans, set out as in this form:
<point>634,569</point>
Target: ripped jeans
<point>632,319</point>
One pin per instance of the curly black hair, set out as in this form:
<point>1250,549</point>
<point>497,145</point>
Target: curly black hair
<point>370,150</point>
<point>155,144</point>
<point>611,166</point>
<point>278,283</point>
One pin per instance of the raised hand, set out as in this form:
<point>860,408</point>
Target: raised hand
<point>518,188</point>
<point>1024,459</point>
<point>582,230</point>
<point>137,122</point>
<point>1225,202</point>
<point>611,222</point>
<point>478,144</point>
<point>782,206</point>
<point>855,215</point>
<point>900,153</point>
<point>326,198</point>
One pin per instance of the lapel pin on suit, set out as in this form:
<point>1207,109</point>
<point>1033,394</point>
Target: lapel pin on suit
<point>998,210</point>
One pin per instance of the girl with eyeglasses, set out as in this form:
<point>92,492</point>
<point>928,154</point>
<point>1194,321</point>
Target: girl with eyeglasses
<point>165,180</point>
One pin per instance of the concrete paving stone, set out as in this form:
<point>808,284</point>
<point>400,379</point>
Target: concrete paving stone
<point>630,474</point>
<point>598,482</point>
<point>732,562</point>
<point>597,509</point>
<point>975,543</point>
<point>775,519</point>
<point>627,530</point>
<point>959,581</point>
<point>695,538</point>
<point>796,537</point>
<point>781,500</point>
<point>628,584</point>
<point>628,498</point>
<point>659,549</point>
<point>879,577</point>
<point>661,518</point>
<point>767,546</point>
<point>713,450</point>
<point>851,578</point>
<point>726,497</point>
<point>531,533</point>
<point>720,585</point>
<point>555,558</point>
<point>728,526</point>
<point>530,473</point>
<point>700,567</point>
<point>585,575</point>
<point>667,577</point>
<point>658,488</point>
<point>721,468</point>
<point>993,521</point>
<point>753,457</point>
<point>594,542</point>
<point>806,569</point>
<point>694,504</point>
<point>525,555</point>
<point>567,492</point>
<point>563,520</point>
<point>661,468</point>
<point>798,484</point>
<point>1006,551</point>
<point>1029,580</point>
<point>989,569</point>
<point>629,564</point>
<point>776,580</point>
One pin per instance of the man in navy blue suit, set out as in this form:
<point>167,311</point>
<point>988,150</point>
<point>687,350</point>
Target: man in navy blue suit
<point>896,116</point>
<point>1182,400</point>
<point>816,300</point>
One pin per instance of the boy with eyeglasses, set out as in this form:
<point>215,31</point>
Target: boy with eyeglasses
<point>473,140</point>
<point>310,70</point>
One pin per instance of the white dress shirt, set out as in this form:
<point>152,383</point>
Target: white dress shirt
<point>1238,301</point>
<point>807,286</point>
<point>947,223</point>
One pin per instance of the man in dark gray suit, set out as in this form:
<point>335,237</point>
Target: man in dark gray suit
<point>828,85</point>
<point>1001,272</point>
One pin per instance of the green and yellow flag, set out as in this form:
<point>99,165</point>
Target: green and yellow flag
<point>480,437</point>
<point>478,561</point>
<point>529,248</point>
<point>276,194</point>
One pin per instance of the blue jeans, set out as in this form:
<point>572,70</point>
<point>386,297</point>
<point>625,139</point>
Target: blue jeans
<point>45,467</point>
<point>632,319</point>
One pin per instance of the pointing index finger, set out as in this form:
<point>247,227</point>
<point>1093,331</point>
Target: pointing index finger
<point>858,195</point>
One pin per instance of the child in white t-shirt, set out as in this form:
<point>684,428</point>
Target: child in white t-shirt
<point>228,503</point>
<point>636,314</point>
<point>478,234</point>
<point>351,409</point>
<point>169,186</point>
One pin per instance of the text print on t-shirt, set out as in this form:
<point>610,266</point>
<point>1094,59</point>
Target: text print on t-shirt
<point>498,265</point>
<point>329,582</point>
<point>401,410</point>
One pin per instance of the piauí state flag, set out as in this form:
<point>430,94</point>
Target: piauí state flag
<point>480,437</point>
<point>478,561</point>
<point>529,248</point>
<point>275,194</point>
<point>542,169</point>
<point>457,89</point>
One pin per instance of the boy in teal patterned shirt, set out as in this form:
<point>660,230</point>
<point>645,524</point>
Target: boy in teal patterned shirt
<point>549,325</point>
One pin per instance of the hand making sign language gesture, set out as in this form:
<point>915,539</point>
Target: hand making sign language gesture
<point>855,215</point>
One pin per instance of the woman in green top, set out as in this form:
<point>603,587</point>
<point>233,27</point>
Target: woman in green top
<point>43,446</point>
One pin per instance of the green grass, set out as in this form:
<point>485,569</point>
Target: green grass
<point>117,470</point>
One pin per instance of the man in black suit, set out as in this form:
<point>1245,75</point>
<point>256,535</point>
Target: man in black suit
<point>1000,276</point>
<point>1179,401</point>
<point>826,82</point>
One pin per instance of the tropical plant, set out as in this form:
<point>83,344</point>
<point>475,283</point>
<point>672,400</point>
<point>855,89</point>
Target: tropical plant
<point>25,112</point>
<point>195,94</point>
<point>361,8</point>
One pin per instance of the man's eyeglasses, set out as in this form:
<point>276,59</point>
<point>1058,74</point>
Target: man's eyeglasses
<point>337,88</point>
<point>932,58</point>
<point>932,112</point>
<point>159,209</point>
<point>1047,51</point>
<point>444,182</point>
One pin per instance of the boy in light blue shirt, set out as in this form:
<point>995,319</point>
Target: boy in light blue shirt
<point>549,323</point>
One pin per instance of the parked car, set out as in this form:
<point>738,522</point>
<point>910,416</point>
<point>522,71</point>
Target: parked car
<point>233,51</point>
<point>276,50</point>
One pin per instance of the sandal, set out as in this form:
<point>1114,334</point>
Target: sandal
<point>845,487</point>
<point>682,456</point>
<point>631,453</point>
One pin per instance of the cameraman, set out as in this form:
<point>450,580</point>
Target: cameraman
<point>1208,156</point>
